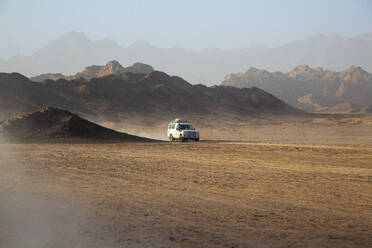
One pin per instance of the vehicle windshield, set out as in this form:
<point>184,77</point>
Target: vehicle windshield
<point>186,127</point>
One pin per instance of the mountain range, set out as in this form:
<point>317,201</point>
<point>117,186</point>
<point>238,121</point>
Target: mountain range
<point>74,50</point>
<point>312,89</point>
<point>127,95</point>
<point>95,71</point>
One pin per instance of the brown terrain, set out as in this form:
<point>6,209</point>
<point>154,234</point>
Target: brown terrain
<point>316,90</point>
<point>272,181</point>
<point>127,95</point>
<point>264,174</point>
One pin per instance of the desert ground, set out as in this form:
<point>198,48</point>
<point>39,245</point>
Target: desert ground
<point>256,183</point>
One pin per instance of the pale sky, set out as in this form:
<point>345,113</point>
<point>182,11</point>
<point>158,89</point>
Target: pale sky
<point>27,25</point>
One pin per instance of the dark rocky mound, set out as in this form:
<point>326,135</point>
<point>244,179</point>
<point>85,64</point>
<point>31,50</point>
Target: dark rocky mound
<point>51,124</point>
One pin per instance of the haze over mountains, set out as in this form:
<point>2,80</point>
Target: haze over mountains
<point>71,52</point>
<point>311,89</point>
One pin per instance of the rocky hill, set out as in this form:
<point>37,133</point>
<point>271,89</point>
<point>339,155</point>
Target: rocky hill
<point>51,124</point>
<point>95,71</point>
<point>311,89</point>
<point>133,95</point>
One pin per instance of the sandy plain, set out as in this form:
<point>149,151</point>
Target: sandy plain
<point>301,183</point>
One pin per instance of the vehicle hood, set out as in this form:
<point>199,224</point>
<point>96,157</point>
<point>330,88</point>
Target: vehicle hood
<point>190,131</point>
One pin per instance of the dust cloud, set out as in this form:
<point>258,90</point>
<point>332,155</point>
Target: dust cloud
<point>156,131</point>
<point>33,219</point>
<point>28,221</point>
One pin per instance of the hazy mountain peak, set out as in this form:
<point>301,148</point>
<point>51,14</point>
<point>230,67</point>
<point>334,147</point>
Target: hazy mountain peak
<point>317,36</point>
<point>302,68</point>
<point>72,37</point>
<point>108,43</point>
<point>320,36</point>
<point>141,44</point>
<point>253,70</point>
<point>76,35</point>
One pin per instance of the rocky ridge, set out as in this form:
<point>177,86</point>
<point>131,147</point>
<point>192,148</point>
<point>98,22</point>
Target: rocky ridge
<point>312,89</point>
<point>95,71</point>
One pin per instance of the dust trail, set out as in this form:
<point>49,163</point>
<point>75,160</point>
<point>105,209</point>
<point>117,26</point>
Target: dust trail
<point>28,221</point>
<point>32,219</point>
<point>156,131</point>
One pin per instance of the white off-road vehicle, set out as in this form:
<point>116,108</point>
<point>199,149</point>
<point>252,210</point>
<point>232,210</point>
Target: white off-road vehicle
<point>182,130</point>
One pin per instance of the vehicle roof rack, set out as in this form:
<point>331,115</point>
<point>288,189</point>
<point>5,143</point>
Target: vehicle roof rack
<point>179,120</point>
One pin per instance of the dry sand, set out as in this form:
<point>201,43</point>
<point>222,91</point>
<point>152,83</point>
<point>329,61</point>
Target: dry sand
<point>304,192</point>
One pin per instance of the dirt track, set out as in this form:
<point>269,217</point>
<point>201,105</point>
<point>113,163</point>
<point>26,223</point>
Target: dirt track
<point>207,194</point>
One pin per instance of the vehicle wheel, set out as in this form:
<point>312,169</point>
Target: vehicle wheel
<point>171,138</point>
<point>197,139</point>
